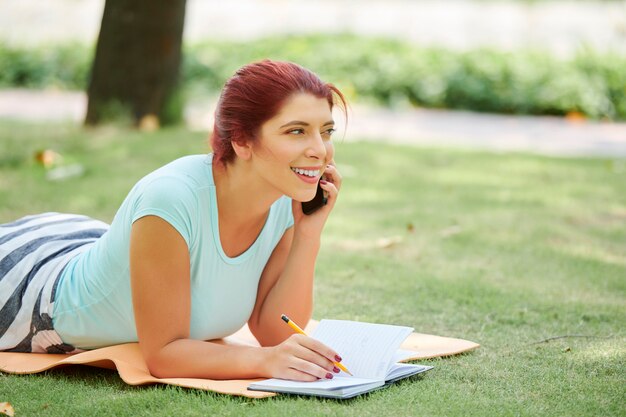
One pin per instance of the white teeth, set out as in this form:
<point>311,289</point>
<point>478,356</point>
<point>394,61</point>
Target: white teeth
<point>307,172</point>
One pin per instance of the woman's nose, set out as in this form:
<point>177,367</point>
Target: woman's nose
<point>317,148</point>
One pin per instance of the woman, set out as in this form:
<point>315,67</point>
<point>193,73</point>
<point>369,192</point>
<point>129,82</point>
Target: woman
<point>198,248</point>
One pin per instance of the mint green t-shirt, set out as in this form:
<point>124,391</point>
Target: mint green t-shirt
<point>93,306</point>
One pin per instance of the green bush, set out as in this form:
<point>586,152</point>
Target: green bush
<point>388,72</point>
<point>63,66</point>
<point>381,70</point>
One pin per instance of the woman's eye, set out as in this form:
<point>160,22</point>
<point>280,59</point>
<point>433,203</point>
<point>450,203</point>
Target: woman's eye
<point>329,131</point>
<point>297,131</point>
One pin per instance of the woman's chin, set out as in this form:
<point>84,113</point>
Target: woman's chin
<point>303,197</point>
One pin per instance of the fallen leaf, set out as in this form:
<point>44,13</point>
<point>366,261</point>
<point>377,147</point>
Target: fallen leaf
<point>48,158</point>
<point>575,117</point>
<point>410,228</point>
<point>7,409</point>
<point>149,123</point>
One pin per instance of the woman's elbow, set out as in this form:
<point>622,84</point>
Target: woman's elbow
<point>159,365</point>
<point>267,337</point>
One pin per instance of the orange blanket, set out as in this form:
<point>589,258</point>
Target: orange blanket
<point>128,361</point>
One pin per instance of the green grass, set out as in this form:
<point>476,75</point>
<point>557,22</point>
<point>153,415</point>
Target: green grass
<point>505,250</point>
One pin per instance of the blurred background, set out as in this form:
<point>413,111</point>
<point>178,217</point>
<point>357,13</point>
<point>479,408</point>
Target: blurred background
<point>402,63</point>
<point>562,27</point>
<point>523,253</point>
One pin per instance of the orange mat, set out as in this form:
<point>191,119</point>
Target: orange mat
<point>128,361</point>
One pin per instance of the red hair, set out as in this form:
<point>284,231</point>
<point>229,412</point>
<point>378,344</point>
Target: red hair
<point>255,94</point>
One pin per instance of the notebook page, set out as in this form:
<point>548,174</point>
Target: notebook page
<point>402,354</point>
<point>402,369</point>
<point>367,349</point>
<point>335,383</point>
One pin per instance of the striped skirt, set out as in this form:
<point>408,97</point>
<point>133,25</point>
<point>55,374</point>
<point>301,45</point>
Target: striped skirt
<point>33,252</point>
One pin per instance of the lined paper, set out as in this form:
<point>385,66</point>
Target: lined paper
<point>367,349</point>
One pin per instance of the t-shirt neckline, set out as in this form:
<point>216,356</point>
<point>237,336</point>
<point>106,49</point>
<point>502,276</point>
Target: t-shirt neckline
<point>244,256</point>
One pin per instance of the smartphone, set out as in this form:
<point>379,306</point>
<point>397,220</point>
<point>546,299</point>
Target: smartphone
<point>309,207</point>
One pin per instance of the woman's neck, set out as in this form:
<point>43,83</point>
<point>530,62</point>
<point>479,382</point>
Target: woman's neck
<point>242,199</point>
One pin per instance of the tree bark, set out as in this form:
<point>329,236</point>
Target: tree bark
<point>138,56</point>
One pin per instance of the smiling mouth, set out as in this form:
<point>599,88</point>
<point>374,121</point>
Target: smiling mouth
<point>308,172</point>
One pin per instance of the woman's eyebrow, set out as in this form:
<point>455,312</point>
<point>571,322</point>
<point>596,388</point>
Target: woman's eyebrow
<point>301,123</point>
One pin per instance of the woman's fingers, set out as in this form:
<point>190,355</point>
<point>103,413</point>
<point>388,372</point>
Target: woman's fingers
<point>330,191</point>
<point>323,364</point>
<point>332,175</point>
<point>312,369</point>
<point>303,358</point>
<point>296,375</point>
<point>331,183</point>
<point>323,351</point>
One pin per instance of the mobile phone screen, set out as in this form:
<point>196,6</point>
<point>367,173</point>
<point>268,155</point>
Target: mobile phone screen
<point>318,201</point>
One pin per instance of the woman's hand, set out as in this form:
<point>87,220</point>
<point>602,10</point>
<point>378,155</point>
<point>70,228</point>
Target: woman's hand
<point>313,224</point>
<point>301,358</point>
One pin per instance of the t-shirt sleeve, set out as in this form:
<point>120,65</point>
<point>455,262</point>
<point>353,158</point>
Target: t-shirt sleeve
<point>171,199</point>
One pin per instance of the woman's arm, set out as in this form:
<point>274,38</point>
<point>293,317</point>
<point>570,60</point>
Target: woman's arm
<point>286,286</point>
<point>160,284</point>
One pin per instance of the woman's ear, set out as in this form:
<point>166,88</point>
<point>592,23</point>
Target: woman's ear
<point>242,149</point>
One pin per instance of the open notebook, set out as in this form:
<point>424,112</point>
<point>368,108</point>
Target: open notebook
<point>369,351</point>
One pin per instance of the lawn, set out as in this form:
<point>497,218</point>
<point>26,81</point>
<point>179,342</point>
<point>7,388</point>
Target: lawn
<point>525,255</point>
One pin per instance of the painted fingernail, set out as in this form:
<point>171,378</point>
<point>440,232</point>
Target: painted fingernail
<point>323,181</point>
<point>338,358</point>
<point>336,370</point>
<point>329,376</point>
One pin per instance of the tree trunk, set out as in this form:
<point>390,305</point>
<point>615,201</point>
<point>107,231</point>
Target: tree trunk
<point>135,70</point>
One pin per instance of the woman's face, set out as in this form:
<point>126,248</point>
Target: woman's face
<point>295,146</point>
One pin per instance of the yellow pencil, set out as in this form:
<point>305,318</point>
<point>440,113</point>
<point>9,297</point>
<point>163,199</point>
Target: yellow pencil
<point>299,330</point>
